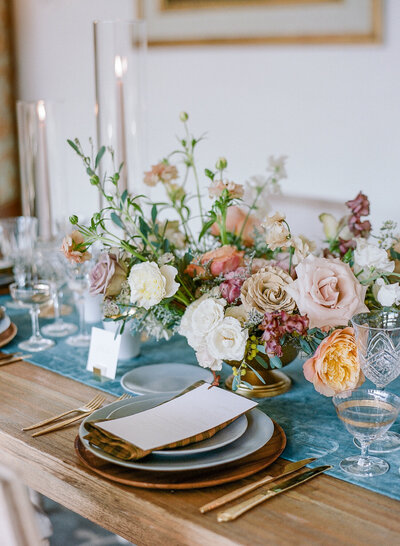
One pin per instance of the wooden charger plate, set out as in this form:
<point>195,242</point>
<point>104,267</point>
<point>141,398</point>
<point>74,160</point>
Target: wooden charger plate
<point>8,335</point>
<point>192,479</point>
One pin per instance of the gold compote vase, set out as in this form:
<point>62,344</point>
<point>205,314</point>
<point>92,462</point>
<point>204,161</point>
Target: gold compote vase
<point>275,381</point>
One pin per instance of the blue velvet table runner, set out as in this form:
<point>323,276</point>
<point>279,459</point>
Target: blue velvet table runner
<point>308,419</point>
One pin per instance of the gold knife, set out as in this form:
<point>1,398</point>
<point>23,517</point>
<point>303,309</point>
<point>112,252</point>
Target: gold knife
<point>287,469</point>
<point>14,359</point>
<point>239,509</point>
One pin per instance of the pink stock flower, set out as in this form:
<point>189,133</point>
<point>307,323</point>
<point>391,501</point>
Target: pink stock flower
<point>358,228</point>
<point>235,219</point>
<point>230,288</point>
<point>359,206</point>
<point>218,186</point>
<point>276,325</point>
<point>162,172</point>
<point>74,248</point>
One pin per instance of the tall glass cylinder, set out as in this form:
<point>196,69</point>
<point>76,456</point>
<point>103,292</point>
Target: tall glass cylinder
<point>40,165</point>
<point>120,58</point>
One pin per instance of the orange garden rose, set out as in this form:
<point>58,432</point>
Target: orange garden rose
<point>222,260</point>
<point>235,219</point>
<point>335,367</point>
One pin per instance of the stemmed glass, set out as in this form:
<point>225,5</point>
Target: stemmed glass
<point>378,345</point>
<point>367,414</point>
<point>79,284</point>
<point>33,294</point>
<point>51,265</point>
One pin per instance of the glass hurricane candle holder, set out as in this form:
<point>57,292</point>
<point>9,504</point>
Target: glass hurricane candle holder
<point>120,57</point>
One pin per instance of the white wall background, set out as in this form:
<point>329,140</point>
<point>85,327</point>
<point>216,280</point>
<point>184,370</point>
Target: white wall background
<point>334,110</point>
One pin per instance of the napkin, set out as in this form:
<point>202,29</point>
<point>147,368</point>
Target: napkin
<point>121,448</point>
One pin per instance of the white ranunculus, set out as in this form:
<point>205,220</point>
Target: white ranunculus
<point>227,341</point>
<point>368,258</point>
<point>150,284</point>
<point>386,294</point>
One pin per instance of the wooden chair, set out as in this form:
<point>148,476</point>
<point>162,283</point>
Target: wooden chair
<point>17,519</point>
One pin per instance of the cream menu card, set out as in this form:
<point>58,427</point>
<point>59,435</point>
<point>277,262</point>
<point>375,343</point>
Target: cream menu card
<point>192,413</point>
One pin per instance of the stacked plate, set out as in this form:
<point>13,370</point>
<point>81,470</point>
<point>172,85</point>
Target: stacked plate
<point>8,330</point>
<point>238,440</point>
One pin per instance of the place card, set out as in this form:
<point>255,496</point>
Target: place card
<point>190,414</point>
<point>103,353</point>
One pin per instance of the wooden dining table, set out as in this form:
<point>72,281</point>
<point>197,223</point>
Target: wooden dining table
<point>323,511</point>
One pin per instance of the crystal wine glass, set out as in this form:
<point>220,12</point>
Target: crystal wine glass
<point>79,284</point>
<point>367,414</point>
<point>33,294</point>
<point>378,345</point>
<point>51,265</point>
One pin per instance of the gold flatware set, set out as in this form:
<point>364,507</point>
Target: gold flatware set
<point>278,486</point>
<point>84,411</point>
<point>10,358</point>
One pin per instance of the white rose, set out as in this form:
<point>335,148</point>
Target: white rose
<point>386,294</point>
<point>228,340</point>
<point>368,258</point>
<point>207,315</point>
<point>150,284</point>
<point>199,317</point>
<point>206,360</point>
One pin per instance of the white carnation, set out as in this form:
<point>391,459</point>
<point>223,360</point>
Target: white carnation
<point>369,258</point>
<point>150,284</point>
<point>227,341</point>
<point>386,294</point>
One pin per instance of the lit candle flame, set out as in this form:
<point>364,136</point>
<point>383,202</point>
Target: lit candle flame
<point>118,66</point>
<point>41,110</point>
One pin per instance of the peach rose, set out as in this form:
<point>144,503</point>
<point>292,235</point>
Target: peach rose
<point>74,248</point>
<point>235,219</point>
<point>222,260</point>
<point>327,291</point>
<point>335,366</point>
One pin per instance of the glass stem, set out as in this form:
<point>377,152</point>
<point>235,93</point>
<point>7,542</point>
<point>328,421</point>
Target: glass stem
<point>81,311</point>
<point>56,305</point>
<point>34,311</point>
<point>363,460</point>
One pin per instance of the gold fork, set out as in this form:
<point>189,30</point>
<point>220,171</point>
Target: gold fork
<point>92,404</point>
<point>63,424</point>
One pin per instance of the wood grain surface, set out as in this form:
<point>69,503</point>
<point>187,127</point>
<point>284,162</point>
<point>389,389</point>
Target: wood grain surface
<point>324,511</point>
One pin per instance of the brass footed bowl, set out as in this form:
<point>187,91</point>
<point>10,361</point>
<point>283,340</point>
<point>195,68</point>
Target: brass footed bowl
<point>276,382</point>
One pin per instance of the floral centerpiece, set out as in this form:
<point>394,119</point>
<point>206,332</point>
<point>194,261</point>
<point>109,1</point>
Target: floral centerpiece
<point>244,287</point>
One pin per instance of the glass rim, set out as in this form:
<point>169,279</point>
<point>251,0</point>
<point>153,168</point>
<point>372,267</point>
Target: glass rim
<point>354,322</point>
<point>16,286</point>
<point>362,390</point>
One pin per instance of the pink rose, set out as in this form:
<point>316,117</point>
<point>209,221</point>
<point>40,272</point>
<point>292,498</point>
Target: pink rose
<point>327,291</point>
<point>335,366</point>
<point>107,276</point>
<point>235,219</point>
<point>221,260</point>
<point>75,249</point>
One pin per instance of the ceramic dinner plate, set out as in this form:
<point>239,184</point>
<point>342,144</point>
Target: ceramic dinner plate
<point>259,430</point>
<point>224,437</point>
<point>4,324</point>
<point>163,378</point>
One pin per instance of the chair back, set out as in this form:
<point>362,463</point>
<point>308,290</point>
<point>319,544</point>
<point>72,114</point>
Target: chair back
<point>17,520</point>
